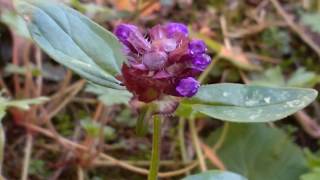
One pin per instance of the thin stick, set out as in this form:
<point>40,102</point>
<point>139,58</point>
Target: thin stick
<point>155,156</point>
<point>213,157</point>
<point>27,156</point>
<point>307,39</point>
<point>80,173</point>
<point>222,137</point>
<point>196,144</point>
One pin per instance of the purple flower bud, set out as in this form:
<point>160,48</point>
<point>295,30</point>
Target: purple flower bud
<point>155,60</point>
<point>197,47</point>
<point>188,87</point>
<point>200,62</point>
<point>130,36</point>
<point>123,31</point>
<point>176,28</point>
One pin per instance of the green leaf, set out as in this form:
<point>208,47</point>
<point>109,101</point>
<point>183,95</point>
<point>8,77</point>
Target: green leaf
<point>245,103</point>
<point>16,23</point>
<point>108,96</point>
<point>215,175</point>
<point>303,78</point>
<point>25,104</point>
<point>22,104</point>
<point>259,152</point>
<point>271,77</point>
<point>74,40</point>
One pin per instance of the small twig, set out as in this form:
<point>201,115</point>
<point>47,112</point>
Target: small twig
<point>196,144</point>
<point>80,173</point>
<point>213,157</point>
<point>307,39</point>
<point>27,156</point>
<point>222,137</point>
<point>309,125</point>
<point>224,29</point>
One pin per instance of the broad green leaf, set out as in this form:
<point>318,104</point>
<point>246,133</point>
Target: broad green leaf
<point>74,40</point>
<point>259,152</point>
<point>108,96</point>
<point>215,175</point>
<point>245,103</point>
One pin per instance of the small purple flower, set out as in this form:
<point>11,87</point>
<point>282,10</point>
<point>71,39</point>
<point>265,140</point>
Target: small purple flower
<point>200,62</point>
<point>188,87</point>
<point>164,61</point>
<point>176,28</point>
<point>197,47</point>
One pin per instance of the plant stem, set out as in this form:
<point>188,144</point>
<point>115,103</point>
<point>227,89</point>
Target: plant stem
<point>181,140</point>
<point>196,144</point>
<point>27,156</point>
<point>2,144</point>
<point>222,137</point>
<point>155,159</point>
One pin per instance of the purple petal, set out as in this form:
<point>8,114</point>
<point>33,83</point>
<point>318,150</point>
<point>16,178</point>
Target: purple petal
<point>123,31</point>
<point>188,87</point>
<point>201,62</point>
<point>197,47</point>
<point>155,60</point>
<point>174,29</point>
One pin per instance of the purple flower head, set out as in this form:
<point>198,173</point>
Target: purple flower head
<point>188,87</point>
<point>197,47</point>
<point>163,61</point>
<point>176,28</point>
<point>200,62</point>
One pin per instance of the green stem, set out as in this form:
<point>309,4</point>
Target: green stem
<point>2,144</point>
<point>155,156</point>
<point>222,137</point>
<point>196,143</point>
<point>181,140</point>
